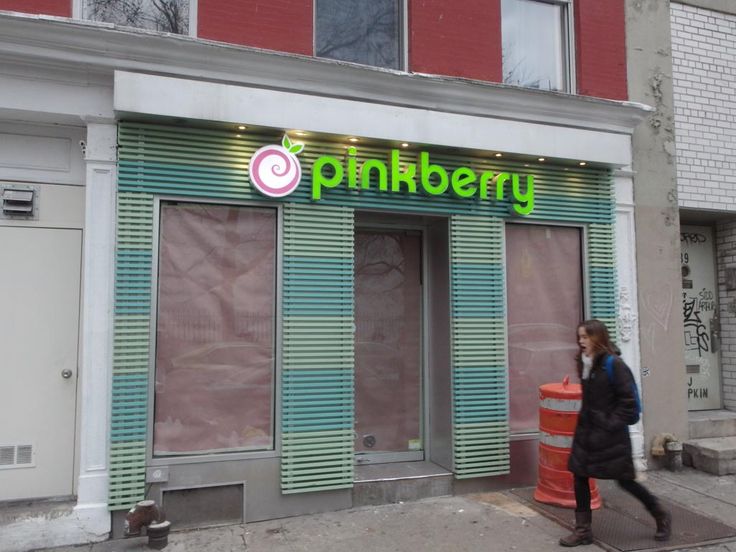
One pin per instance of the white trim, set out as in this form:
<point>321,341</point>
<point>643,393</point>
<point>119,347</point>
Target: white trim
<point>101,48</point>
<point>627,283</point>
<point>136,93</point>
<point>193,18</point>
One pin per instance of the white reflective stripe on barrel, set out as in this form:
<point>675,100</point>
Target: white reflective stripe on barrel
<point>561,405</point>
<point>556,440</point>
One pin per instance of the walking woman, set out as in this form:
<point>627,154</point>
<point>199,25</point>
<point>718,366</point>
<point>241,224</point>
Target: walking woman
<point>602,447</point>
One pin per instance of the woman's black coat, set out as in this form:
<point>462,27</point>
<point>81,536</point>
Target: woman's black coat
<point>602,447</point>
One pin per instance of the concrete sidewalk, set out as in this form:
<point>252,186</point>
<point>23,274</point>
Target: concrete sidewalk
<point>489,522</point>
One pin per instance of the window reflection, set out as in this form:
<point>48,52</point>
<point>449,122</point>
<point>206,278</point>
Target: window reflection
<point>534,44</point>
<point>170,16</point>
<point>359,31</point>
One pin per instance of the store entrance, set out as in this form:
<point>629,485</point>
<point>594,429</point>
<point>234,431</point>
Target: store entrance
<point>388,345</point>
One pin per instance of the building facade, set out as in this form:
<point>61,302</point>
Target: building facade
<point>703,41</point>
<point>285,265</point>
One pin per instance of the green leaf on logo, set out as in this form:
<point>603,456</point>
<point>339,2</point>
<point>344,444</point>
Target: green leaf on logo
<point>286,142</point>
<point>297,148</point>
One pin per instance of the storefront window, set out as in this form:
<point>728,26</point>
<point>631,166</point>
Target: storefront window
<point>170,16</point>
<point>545,305</point>
<point>359,31</point>
<point>215,329</point>
<point>535,52</point>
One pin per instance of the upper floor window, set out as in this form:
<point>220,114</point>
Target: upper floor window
<point>536,38</point>
<point>359,31</point>
<point>170,16</point>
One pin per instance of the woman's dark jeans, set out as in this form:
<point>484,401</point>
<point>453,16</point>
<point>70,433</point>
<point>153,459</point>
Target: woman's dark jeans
<point>582,494</point>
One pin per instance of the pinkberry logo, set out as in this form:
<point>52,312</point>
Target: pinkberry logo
<point>274,170</point>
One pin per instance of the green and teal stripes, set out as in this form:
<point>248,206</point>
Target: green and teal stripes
<point>317,307</point>
<point>129,412</point>
<point>318,350</point>
<point>479,367</point>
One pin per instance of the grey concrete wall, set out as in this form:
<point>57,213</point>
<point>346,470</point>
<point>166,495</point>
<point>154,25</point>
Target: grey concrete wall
<point>656,215</point>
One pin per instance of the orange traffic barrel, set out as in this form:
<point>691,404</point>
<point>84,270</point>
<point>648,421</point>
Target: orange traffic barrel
<point>558,415</point>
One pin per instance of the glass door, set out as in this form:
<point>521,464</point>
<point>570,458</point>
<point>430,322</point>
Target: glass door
<point>388,350</point>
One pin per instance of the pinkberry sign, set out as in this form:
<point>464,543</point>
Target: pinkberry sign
<point>274,170</point>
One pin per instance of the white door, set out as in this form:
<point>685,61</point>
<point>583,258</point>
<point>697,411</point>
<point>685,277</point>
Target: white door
<point>40,280</point>
<point>700,313</point>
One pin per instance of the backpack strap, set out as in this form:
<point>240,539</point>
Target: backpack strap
<point>608,365</point>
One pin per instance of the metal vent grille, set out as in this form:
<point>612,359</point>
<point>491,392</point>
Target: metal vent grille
<point>24,454</point>
<point>16,456</point>
<point>7,456</point>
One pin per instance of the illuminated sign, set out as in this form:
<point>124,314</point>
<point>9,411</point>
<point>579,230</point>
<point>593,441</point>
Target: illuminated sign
<point>275,171</point>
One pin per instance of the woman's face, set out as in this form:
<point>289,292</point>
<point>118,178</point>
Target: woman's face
<point>584,341</point>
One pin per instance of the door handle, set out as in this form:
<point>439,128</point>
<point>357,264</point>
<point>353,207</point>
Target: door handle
<point>66,373</point>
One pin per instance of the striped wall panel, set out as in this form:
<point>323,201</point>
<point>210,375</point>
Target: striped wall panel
<point>479,367</point>
<point>129,412</point>
<point>317,372</point>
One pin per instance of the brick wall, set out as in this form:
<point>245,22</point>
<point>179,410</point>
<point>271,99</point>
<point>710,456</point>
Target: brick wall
<point>461,38</point>
<point>600,44</point>
<point>726,255</point>
<point>62,8</point>
<point>283,25</point>
<point>704,78</point>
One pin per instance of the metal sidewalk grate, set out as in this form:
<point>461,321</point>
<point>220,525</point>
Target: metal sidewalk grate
<point>623,523</point>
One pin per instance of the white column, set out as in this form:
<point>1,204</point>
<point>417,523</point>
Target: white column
<point>628,308</point>
<point>97,318</point>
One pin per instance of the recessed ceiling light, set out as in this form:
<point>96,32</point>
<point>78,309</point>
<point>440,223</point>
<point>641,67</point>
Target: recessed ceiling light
<point>404,145</point>
<point>301,133</point>
<point>499,155</point>
<point>582,163</point>
<point>242,127</point>
<point>540,159</point>
<point>238,136</point>
<point>353,139</point>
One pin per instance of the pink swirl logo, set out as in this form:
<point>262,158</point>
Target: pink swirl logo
<point>274,170</point>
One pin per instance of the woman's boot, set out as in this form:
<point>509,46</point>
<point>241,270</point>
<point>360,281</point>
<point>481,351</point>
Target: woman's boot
<point>583,533</point>
<point>664,523</point>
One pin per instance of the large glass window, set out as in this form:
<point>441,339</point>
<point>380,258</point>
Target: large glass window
<point>545,304</point>
<point>170,16</point>
<point>360,31</point>
<point>215,329</point>
<point>535,43</point>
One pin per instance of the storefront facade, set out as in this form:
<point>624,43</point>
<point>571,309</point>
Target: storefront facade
<point>293,303</point>
<point>397,309</point>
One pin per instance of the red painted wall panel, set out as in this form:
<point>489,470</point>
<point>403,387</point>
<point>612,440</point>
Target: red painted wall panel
<point>283,25</point>
<point>62,8</point>
<point>461,38</point>
<point>600,41</point>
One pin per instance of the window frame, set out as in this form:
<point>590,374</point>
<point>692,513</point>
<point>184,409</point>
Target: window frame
<point>569,80</point>
<point>276,398</point>
<point>79,11</point>
<point>403,26</point>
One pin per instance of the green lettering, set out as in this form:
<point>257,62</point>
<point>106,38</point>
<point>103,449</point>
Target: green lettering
<point>525,200</point>
<point>320,181</point>
<point>365,174</point>
<point>352,167</point>
<point>484,178</point>
<point>427,171</point>
<point>463,180</point>
<point>501,179</point>
<point>399,177</point>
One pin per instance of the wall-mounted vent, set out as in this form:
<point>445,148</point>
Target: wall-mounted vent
<point>16,456</point>
<point>18,202</point>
